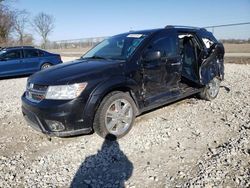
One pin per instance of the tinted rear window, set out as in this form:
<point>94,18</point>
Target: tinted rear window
<point>31,53</point>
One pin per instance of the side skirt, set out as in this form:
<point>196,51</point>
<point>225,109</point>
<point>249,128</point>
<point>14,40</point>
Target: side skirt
<point>170,99</point>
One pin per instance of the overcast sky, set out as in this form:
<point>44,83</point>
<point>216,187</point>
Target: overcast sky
<point>81,19</point>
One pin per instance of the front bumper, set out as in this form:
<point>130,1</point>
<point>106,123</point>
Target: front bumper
<point>69,113</point>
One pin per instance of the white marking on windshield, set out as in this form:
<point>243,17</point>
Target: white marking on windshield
<point>135,35</point>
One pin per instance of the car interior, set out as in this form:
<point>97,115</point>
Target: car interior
<point>190,51</point>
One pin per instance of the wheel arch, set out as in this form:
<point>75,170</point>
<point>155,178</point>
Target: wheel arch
<point>102,90</point>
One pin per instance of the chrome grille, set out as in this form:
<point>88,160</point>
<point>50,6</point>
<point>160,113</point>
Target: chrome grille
<point>35,92</point>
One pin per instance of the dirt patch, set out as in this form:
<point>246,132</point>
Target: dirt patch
<point>237,48</point>
<point>237,60</point>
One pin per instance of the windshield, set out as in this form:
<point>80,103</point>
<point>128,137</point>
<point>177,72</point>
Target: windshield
<point>119,47</point>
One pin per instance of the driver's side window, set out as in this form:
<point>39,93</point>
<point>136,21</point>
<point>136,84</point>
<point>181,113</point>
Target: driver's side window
<point>166,45</point>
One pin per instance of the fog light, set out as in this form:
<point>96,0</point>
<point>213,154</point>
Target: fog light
<point>55,125</point>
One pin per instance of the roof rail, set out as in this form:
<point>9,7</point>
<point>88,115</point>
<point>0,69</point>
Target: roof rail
<point>182,26</point>
<point>12,47</point>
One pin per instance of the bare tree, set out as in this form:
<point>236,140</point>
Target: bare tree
<point>28,39</point>
<point>44,25</point>
<point>21,22</point>
<point>6,23</point>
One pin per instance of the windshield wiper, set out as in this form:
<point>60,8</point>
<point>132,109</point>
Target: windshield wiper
<point>94,57</point>
<point>100,57</point>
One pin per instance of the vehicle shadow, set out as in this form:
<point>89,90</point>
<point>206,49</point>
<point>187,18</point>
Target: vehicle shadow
<point>15,77</point>
<point>110,167</point>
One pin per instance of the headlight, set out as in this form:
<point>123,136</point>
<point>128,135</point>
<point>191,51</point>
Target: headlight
<point>65,92</point>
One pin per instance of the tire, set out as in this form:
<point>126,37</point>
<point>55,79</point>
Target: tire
<point>211,90</point>
<point>45,66</point>
<point>115,116</point>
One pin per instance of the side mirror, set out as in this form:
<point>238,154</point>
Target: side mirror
<point>151,56</point>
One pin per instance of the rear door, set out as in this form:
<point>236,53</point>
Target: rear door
<point>213,65</point>
<point>31,61</point>
<point>10,63</point>
<point>213,61</point>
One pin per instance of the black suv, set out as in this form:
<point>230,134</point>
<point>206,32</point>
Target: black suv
<point>122,77</point>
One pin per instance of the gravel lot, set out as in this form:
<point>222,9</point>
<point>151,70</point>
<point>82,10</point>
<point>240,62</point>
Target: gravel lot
<point>192,143</point>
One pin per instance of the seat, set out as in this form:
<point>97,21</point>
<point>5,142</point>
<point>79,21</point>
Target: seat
<point>188,59</point>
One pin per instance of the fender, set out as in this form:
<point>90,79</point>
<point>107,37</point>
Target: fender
<point>136,93</point>
<point>101,90</point>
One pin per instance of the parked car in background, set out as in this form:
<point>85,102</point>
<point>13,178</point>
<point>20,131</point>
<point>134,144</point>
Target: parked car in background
<point>122,77</point>
<point>24,60</point>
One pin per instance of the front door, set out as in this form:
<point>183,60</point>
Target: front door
<point>161,76</point>
<point>10,63</point>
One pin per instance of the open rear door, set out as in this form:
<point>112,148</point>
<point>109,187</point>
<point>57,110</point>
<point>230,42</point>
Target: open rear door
<point>213,65</point>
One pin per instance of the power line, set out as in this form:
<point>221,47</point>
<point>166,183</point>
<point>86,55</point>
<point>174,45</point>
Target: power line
<point>227,25</point>
<point>98,39</point>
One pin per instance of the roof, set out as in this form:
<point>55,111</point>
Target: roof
<point>17,47</point>
<point>178,27</point>
<point>186,28</point>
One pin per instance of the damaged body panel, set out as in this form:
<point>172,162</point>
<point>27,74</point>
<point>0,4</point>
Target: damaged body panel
<point>213,65</point>
<point>202,54</point>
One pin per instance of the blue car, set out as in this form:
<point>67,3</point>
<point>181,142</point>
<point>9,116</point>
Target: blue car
<point>25,60</point>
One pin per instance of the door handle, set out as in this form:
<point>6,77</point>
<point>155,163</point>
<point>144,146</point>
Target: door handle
<point>179,63</point>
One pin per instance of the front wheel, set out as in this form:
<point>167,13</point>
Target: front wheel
<point>211,90</point>
<point>115,116</point>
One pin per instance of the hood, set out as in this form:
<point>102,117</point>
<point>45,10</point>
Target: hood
<point>76,71</point>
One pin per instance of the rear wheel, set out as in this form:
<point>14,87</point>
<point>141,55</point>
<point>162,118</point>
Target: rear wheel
<point>45,66</point>
<point>211,90</point>
<point>115,116</point>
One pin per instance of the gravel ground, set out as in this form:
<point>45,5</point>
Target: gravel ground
<point>192,143</point>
